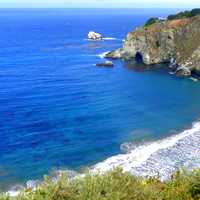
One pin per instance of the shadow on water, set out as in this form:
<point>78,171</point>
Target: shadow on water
<point>137,65</point>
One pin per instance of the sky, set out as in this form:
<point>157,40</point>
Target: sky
<point>102,3</point>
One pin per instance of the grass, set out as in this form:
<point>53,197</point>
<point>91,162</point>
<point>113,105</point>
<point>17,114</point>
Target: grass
<point>116,185</point>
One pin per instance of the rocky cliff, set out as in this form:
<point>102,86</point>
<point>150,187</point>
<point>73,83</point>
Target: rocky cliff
<point>172,41</point>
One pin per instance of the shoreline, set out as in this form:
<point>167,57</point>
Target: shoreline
<point>159,158</point>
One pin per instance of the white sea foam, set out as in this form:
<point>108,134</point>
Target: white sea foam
<point>86,39</point>
<point>13,193</point>
<point>161,157</point>
<point>15,190</point>
<point>109,38</point>
<point>34,184</point>
<point>193,79</point>
<point>105,38</point>
<point>102,55</point>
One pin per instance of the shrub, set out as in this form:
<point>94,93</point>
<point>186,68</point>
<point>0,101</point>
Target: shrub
<point>180,15</point>
<point>151,21</point>
<point>185,14</point>
<point>116,185</point>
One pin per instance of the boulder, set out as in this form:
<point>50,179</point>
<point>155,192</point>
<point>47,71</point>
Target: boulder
<point>94,36</point>
<point>114,54</point>
<point>183,71</point>
<point>105,64</point>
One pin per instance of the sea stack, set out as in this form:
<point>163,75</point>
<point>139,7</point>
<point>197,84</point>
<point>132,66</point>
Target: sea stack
<point>94,36</point>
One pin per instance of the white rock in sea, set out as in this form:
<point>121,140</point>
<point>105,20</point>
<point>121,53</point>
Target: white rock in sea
<point>94,36</point>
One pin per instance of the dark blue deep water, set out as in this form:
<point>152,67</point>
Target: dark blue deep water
<point>57,110</point>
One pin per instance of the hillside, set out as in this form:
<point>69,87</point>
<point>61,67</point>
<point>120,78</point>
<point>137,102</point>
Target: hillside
<point>173,41</point>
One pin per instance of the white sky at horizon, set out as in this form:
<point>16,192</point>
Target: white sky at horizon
<point>102,3</point>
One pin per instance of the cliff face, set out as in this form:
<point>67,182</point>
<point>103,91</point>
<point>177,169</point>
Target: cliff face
<point>175,41</point>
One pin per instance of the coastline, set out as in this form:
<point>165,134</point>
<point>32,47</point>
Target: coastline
<point>159,158</point>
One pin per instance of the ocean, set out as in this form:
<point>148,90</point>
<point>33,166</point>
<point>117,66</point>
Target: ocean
<point>59,111</point>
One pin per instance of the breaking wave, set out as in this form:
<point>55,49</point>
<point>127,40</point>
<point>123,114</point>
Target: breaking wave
<point>102,55</point>
<point>105,38</point>
<point>109,38</point>
<point>160,158</point>
<point>33,184</point>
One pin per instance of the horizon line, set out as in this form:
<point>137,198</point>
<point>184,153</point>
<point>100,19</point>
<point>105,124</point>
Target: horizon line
<point>35,7</point>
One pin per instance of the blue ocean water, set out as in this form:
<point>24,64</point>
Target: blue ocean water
<point>58,110</point>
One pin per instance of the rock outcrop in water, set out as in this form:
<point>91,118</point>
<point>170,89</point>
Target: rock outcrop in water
<point>94,36</point>
<point>105,64</point>
<point>176,42</point>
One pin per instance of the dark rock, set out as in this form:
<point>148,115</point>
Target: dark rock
<point>115,54</point>
<point>105,64</point>
<point>183,71</point>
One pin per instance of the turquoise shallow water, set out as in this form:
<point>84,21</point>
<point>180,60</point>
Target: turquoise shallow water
<point>57,110</point>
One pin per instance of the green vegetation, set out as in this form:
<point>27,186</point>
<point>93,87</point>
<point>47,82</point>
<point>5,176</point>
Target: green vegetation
<point>180,15</point>
<point>151,21</point>
<point>117,185</point>
<point>185,14</point>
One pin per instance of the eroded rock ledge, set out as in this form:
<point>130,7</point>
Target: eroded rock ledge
<point>176,42</point>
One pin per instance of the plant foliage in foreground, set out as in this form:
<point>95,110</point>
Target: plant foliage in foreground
<point>117,185</point>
